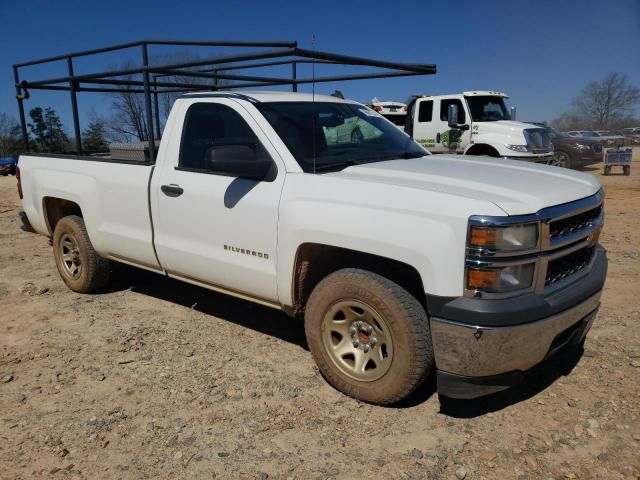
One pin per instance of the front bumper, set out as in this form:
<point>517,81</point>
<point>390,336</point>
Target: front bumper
<point>546,159</point>
<point>590,156</point>
<point>484,346</point>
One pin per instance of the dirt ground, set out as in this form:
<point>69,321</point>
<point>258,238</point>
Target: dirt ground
<point>158,379</point>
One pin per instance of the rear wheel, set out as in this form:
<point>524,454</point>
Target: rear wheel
<point>81,268</point>
<point>369,337</point>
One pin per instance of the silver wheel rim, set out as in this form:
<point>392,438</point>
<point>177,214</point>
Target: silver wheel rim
<point>560,159</point>
<point>358,340</point>
<point>70,255</point>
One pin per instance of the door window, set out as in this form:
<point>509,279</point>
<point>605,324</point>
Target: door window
<point>210,125</point>
<point>444,108</point>
<point>425,111</point>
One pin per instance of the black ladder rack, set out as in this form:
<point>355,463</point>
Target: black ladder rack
<point>216,68</point>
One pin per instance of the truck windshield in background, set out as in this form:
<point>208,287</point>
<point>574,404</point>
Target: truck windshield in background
<point>487,108</point>
<point>325,136</point>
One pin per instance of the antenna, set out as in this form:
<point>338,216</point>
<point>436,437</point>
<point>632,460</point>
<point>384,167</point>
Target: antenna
<point>313,103</point>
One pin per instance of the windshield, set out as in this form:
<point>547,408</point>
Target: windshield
<point>555,134</point>
<point>325,136</point>
<point>487,108</point>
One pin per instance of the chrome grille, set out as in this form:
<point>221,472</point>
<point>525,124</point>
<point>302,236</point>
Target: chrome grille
<point>564,267</point>
<point>538,140</point>
<point>576,223</point>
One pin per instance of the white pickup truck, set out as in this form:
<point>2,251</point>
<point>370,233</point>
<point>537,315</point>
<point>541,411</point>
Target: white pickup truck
<point>401,263</point>
<point>481,125</point>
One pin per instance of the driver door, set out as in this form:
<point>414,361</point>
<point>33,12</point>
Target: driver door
<point>210,228</point>
<point>448,141</point>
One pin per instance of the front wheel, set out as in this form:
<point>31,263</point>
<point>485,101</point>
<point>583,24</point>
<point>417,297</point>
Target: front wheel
<point>79,265</point>
<point>561,159</point>
<point>369,337</point>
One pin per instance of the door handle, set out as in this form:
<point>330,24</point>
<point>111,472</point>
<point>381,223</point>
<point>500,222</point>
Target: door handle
<point>172,190</point>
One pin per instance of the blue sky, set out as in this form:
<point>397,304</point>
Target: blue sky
<point>540,52</point>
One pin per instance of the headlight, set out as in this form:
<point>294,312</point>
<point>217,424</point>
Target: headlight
<point>512,237</point>
<point>502,279</point>
<point>582,146</point>
<point>517,148</point>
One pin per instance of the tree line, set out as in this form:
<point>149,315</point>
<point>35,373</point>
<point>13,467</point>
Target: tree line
<point>47,133</point>
<point>605,104</point>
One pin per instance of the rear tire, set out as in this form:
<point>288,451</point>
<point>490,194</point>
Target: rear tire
<point>369,337</point>
<point>80,267</point>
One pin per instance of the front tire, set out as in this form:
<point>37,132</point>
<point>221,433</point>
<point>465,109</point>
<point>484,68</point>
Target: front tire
<point>80,267</point>
<point>561,159</point>
<point>369,337</point>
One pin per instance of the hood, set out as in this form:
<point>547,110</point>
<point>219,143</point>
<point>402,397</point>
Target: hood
<point>516,187</point>
<point>510,124</point>
<point>574,140</point>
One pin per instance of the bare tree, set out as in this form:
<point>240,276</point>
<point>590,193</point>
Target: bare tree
<point>605,102</point>
<point>128,120</point>
<point>185,57</point>
<point>569,121</point>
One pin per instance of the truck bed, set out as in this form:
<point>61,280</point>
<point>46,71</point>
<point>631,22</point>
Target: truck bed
<point>114,195</point>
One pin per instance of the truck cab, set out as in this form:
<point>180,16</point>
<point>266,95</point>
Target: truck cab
<point>483,126</point>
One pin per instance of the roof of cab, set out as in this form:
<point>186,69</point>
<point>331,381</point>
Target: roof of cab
<point>469,93</point>
<point>267,96</point>
<point>494,93</point>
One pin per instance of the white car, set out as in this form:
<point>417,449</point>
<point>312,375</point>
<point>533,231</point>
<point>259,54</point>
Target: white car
<point>401,263</point>
<point>395,112</point>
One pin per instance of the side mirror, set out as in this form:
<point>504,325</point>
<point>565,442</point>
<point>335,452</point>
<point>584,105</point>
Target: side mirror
<point>452,116</point>
<point>237,161</point>
<point>513,113</point>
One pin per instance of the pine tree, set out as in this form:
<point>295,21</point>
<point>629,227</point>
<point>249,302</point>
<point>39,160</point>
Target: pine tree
<point>48,130</point>
<point>94,137</point>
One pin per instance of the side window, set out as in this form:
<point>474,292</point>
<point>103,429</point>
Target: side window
<point>425,111</point>
<point>444,108</point>
<point>210,125</point>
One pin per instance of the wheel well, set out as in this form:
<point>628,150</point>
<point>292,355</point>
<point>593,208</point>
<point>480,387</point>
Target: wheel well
<point>315,261</point>
<point>482,149</point>
<point>57,208</point>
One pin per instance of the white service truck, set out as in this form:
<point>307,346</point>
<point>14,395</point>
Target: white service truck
<point>475,123</point>
<point>401,263</point>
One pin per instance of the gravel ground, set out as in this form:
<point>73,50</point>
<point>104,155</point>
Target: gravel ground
<point>157,379</point>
